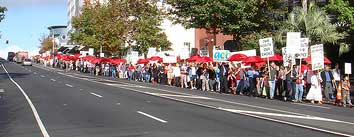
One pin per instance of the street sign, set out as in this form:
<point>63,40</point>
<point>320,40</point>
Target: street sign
<point>348,68</point>
<point>317,57</point>
<point>304,48</point>
<point>221,55</point>
<point>293,42</point>
<point>266,47</point>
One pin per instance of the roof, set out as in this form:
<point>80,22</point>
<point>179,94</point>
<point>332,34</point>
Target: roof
<point>56,27</point>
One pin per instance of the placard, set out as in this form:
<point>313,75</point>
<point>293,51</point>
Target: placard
<point>317,57</point>
<point>348,68</point>
<point>184,53</point>
<point>221,55</point>
<point>304,49</point>
<point>204,53</point>
<point>293,42</point>
<point>287,59</point>
<point>266,47</point>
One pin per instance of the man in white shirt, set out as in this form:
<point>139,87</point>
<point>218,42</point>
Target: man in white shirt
<point>177,74</point>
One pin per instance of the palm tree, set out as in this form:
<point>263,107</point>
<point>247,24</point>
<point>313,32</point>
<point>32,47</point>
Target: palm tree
<point>313,24</point>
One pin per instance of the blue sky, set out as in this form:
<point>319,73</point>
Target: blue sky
<point>27,20</point>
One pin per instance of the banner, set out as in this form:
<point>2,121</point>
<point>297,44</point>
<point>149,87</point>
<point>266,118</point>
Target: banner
<point>304,48</point>
<point>293,42</point>
<point>221,55</point>
<point>252,52</point>
<point>151,52</point>
<point>170,59</point>
<point>317,57</point>
<point>348,68</point>
<point>266,47</point>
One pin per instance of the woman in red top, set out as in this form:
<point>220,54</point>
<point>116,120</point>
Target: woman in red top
<point>232,80</point>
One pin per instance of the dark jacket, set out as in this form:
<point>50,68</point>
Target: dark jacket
<point>222,71</point>
<point>323,77</point>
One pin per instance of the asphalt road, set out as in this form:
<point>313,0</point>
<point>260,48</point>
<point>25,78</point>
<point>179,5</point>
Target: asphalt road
<point>76,105</point>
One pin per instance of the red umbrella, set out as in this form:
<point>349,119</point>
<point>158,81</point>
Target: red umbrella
<point>77,55</point>
<point>155,58</point>
<point>88,57</point>
<point>326,60</point>
<point>204,59</point>
<point>276,57</point>
<point>253,59</point>
<point>142,61</point>
<point>237,57</point>
<point>105,60</point>
<point>193,58</point>
<point>95,60</point>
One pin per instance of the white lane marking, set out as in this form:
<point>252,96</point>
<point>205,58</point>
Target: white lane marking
<point>30,70</point>
<point>42,76</point>
<point>255,116</point>
<point>117,103</point>
<point>34,72</point>
<point>53,80</point>
<point>183,96</point>
<point>310,105</point>
<point>34,110</point>
<point>81,89</point>
<point>96,95</point>
<point>283,115</point>
<point>153,117</point>
<point>69,85</point>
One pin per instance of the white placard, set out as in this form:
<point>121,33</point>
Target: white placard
<point>304,48</point>
<point>184,53</point>
<point>317,57</point>
<point>293,42</point>
<point>204,53</point>
<point>170,59</point>
<point>266,47</point>
<point>348,68</point>
<point>287,59</point>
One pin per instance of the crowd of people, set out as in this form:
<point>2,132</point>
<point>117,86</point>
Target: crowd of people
<point>288,83</point>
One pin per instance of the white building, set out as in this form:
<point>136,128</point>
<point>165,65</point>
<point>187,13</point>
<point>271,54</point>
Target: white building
<point>74,8</point>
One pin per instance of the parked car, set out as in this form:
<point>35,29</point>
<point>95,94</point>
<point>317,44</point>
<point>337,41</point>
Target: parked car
<point>27,62</point>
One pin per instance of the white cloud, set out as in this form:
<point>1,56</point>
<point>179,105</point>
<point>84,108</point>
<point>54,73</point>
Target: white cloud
<point>5,50</point>
<point>33,52</point>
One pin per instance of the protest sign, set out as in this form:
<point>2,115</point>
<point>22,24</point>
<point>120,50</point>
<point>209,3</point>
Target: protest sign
<point>303,49</point>
<point>348,68</point>
<point>317,57</point>
<point>266,47</point>
<point>293,42</point>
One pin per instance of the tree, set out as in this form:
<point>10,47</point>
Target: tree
<point>313,24</point>
<point>46,43</point>
<point>2,13</point>
<point>239,18</point>
<point>119,23</point>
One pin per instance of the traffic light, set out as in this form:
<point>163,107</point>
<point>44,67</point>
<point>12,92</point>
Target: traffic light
<point>7,41</point>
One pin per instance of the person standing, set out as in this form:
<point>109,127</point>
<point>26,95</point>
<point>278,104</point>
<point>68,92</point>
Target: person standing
<point>169,74</point>
<point>184,76</point>
<point>223,75</point>
<point>177,74</point>
<point>272,80</point>
<point>346,92</point>
<point>193,76</point>
<point>327,82</point>
<point>337,78</point>
<point>205,78</point>
<point>315,93</point>
<point>252,74</point>
<point>212,78</point>
<point>308,75</point>
<point>299,90</point>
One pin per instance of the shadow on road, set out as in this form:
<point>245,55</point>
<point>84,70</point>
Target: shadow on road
<point>4,76</point>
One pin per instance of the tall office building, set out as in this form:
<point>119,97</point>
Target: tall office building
<point>74,9</point>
